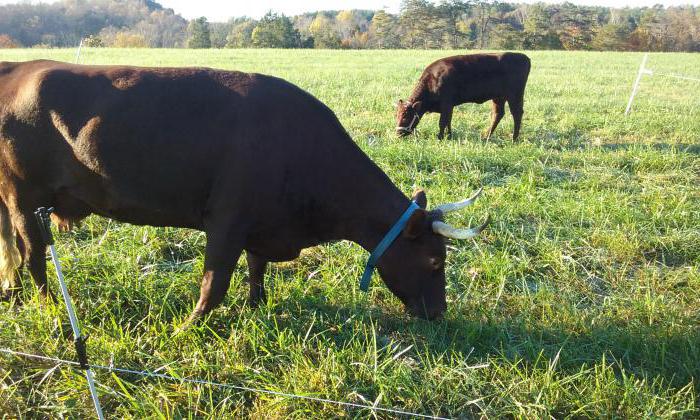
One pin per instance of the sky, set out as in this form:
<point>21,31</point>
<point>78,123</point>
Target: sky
<point>222,10</point>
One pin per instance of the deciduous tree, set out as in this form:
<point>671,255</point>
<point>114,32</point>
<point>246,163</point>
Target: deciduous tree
<point>241,35</point>
<point>324,32</point>
<point>6,41</point>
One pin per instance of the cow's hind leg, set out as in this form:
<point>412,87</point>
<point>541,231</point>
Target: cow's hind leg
<point>516,109</point>
<point>256,278</point>
<point>497,111</point>
<point>10,255</point>
<point>221,255</point>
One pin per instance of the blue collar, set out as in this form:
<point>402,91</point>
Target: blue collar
<point>384,245</point>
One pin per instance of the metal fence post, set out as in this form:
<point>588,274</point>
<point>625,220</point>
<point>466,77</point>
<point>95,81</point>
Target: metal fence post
<point>42,217</point>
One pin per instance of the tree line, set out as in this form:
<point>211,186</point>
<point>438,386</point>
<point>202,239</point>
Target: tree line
<point>448,24</point>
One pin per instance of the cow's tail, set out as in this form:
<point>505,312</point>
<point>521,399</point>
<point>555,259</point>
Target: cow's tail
<point>10,258</point>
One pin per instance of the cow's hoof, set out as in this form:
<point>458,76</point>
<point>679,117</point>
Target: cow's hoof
<point>8,295</point>
<point>187,325</point>
<point>47,298</point>
<point>193,320</point>
<point>255,301</point>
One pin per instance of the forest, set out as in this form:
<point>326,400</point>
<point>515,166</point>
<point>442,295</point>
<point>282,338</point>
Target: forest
<point>420,24</point>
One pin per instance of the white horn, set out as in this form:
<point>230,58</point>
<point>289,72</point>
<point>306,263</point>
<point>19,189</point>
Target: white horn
<point>442,228</point>
<point>450,207</point>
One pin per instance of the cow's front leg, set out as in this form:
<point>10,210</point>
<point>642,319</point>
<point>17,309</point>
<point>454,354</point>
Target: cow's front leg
<point>256,278</point>
<point>221,256</point>
<point>32,247</point>
<point>445,122</point>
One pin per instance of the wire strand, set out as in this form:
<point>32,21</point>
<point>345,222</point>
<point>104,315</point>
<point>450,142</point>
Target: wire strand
<point>222,385</point>
<point>677,76</point>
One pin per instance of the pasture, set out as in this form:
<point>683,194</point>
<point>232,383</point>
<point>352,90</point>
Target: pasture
<point>582,299</point>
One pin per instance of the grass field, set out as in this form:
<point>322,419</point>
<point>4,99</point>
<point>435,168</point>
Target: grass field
<point>581,300</point>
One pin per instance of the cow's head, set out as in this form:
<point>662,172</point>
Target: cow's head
<point>408,115</point>
<point>413,267</point>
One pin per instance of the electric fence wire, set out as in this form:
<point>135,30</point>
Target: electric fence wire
<point>150,374</point>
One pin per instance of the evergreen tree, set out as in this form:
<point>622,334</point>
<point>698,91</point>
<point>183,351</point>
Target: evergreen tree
<point>198,31</point>
<point>276,31</point>
<point>383,31</point>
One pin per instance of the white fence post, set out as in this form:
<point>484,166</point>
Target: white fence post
<point>642,70</point>
<point>77,54</point>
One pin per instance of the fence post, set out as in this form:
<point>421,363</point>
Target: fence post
<point>42,217</point>
<point>77,54</point>
<point>642,70</point>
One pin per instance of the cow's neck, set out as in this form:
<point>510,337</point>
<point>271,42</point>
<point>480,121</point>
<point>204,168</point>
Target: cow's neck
<point>377,206</point>
<point>426,98</point>
<point>416,97</point>
<point>420,90</point>
<point>361,203</point>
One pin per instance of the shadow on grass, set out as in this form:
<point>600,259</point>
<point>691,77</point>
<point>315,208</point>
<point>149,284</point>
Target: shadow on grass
<point>646,351</point>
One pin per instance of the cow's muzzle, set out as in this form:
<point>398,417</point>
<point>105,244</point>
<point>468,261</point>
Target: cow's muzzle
<point>407,129</point>
<point>428,313</point>
<point>403,131</point>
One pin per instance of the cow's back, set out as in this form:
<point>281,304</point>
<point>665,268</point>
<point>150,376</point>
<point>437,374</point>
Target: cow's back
<point>478,77</point>
<point>151,145</point>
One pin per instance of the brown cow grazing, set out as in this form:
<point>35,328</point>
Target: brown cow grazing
<point>477,78</point>
<point>254,161</point>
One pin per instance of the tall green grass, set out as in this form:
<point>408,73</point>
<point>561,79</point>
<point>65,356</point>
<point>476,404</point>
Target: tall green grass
<point>582,299</point>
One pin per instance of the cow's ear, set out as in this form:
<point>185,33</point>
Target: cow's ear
<point>416,224</point>
<point>420,198</point>
<point>418,106</point>
<point>399,104</point>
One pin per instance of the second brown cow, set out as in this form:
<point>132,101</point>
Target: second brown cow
<point>476,78</point>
